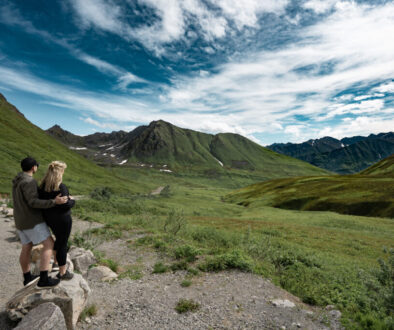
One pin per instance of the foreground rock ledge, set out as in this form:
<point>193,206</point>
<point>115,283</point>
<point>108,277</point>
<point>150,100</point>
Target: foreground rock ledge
<point>70,296</point>
<point>46,316</point>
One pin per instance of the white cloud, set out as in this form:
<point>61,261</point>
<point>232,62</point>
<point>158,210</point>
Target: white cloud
<point>320,6</point>
<point>174,18</point>
<point>385,88</point>
<point>245,13</point>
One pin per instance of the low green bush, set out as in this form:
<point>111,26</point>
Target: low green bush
<point>186,305</point>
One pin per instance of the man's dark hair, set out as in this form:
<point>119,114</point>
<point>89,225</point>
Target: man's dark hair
<point>28,163</point>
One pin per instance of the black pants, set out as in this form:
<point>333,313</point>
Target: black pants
<point>61,228</point>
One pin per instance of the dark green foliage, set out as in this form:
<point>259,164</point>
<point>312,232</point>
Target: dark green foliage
<point>88,311</point>
<point>101,193</point>
<point>186,305</point>
<point>232,260</point>
<point>187,252</point>
<point>112,264</point>
<point>166,192</point>
<point>159,268</point>
<point>186,283</point>
<point>180,265</point>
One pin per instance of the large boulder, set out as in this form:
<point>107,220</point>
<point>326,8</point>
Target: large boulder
<point>82,259</point>
<point>46,316</point>
<point>101,273</point>
<point>70,296</point>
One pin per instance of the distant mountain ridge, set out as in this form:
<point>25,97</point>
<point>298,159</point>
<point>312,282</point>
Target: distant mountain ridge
<point>345,156</point>
<point>162,144</point>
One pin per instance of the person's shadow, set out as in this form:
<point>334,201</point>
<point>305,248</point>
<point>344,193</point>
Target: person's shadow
<point>12,238</point>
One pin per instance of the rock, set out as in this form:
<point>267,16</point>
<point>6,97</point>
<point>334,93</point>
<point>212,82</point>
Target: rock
<point>336,314</point>
<point>282,303</point>
<point>101,273</point>
<point>70,296</point>
<point>46,316</point>
<point>81,259</point>
<point>330,307</point>
<point>9,213</point>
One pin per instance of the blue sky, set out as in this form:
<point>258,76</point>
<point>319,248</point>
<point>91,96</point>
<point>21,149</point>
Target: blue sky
<point>271,70</point>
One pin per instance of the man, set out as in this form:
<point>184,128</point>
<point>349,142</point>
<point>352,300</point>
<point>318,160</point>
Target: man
<point>30,224</point>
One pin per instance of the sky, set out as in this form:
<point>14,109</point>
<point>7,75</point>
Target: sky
<point>271,70</point>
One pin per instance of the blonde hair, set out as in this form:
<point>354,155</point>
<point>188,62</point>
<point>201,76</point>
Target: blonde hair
<point>53,177</point>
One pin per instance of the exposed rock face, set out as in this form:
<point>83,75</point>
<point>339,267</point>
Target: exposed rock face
<point>70,296</point>
<point>81,259</point>
<point>46,316</point>
<point>101,273</point>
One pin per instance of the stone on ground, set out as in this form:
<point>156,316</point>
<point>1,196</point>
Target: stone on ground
<point>46,316</point>
<point>81,259</point>
<point>283,303</point>
<point>70,296</point>
<point>101,273</point>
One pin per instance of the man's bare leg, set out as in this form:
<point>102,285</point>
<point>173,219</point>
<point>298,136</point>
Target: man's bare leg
<point>24,257</point>
<point>46,254</point>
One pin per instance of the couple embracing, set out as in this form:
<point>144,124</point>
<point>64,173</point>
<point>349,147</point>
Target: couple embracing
<point>35,209</point>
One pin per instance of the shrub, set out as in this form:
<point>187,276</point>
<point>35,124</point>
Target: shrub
<point>101,193</point>
<point>174,222</point>
<point>159,268</point>
<point>186,251</point>
<point>233,260</point>
<point>166,192</point>
<point>186,305</point>
<point>182,265</point>
<point>112,264</point>
<point>88,312</point>
<point>186,283</point>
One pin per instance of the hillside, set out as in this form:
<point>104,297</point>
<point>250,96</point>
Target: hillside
<point>345,156</point>
<point>163,144</point>
<point>19,138</point>
<point>370,193</point>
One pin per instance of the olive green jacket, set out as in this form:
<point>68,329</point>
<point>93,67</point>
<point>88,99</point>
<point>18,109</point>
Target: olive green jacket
<point>27,205</point>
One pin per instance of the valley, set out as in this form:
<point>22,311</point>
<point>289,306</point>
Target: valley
<point>249,215</point>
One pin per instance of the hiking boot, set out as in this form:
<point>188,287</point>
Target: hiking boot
<point>66,276</point>
<point>33,279</point>
<point>55,266</point>
<point>48,284</point>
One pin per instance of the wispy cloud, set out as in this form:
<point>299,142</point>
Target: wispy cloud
<point>175,18</point>
<point>11,16</point>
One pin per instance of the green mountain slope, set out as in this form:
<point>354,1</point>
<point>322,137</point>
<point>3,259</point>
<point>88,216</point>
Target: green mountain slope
<point>19,138</point>
<point>370,193</point>
<point>383,168</point>
<point>161,143</point>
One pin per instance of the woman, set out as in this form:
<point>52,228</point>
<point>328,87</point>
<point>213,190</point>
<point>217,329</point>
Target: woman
<point>58,218</point>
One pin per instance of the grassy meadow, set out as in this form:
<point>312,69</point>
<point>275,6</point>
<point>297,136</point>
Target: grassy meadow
<point>325,258</point>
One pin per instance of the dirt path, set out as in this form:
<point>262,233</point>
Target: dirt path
<point>157,191</point>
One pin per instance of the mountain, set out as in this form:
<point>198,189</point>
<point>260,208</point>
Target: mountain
<point>161,144</point>
<point>20,138</point>
<point>345,156</point>
<point>369,193</point>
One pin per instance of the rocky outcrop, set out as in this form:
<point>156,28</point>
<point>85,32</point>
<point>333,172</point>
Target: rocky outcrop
<point>70,296</point>
<point>82,259</point>
<point>101,273</point>
<point>47,316</point>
